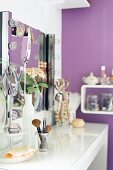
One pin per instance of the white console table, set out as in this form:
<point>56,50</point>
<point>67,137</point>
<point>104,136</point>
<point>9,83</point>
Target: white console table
<point>70,149</point>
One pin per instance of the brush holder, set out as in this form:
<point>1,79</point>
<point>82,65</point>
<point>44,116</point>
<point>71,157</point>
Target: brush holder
<point>43,142</point>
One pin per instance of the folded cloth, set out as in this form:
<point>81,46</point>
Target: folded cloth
<point>19,152</point>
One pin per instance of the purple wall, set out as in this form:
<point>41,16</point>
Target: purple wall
<point>87,43</point>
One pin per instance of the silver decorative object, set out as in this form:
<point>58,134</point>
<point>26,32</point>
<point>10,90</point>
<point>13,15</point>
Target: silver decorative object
<point>62,113</point>
<point>10,82</point>
<point>14,128</point>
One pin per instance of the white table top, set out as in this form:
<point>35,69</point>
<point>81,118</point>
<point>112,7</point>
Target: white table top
<point>66,147</point>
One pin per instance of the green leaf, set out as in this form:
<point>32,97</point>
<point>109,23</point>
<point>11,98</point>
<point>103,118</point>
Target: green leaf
<point>32,86</point>
<point>31,90</point>
<point>37,90</point>
<point>29,80</point>
<point>35,82</point>
<point>43,85</point>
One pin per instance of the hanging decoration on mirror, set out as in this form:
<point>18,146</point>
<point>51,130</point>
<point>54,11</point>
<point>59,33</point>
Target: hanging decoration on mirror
<point>20,29</point>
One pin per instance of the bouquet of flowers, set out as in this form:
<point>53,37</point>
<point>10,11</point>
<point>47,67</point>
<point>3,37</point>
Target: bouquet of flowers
<point>35,80</point>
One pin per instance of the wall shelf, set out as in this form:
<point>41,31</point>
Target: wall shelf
<point>68,4</point>
<point>83,98</point>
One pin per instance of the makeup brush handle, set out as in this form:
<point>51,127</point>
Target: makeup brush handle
<point>38,130</point>
<point>44,126</point>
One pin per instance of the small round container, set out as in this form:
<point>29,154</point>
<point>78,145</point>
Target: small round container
<point>92,102</point>
<point>107,99</point>
<point>14,128</point>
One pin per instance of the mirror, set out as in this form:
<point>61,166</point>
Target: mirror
<point>14,35</point>
<point>19,40</point>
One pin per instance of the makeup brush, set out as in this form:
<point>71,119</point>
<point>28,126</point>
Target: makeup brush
<point>44,125</point>
<point>48,128</point>
<point>36,123</point>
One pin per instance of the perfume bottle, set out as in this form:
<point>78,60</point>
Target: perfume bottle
<point>103,71</point>
<point>105,80</point>
<point>111,77</point>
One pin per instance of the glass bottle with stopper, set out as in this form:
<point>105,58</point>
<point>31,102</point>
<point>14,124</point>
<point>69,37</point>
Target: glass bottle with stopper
<point>111,77</point>
<point>104,80</point>
<point>103,71</point>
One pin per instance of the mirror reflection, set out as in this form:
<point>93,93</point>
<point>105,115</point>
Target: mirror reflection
<point>21,43</point>
<point>26,45</point>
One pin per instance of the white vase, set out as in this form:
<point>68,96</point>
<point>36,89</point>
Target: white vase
<point>2,111</point>
<point>28,114</point>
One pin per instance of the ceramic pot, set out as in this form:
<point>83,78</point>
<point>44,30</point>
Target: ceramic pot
<point>91,79</point>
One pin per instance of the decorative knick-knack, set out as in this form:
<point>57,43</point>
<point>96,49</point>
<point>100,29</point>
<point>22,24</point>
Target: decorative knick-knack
<point>62,113</point>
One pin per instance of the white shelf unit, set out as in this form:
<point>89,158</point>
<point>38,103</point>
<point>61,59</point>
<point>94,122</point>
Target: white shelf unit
<point>69,4</point>
<point>83,98</point>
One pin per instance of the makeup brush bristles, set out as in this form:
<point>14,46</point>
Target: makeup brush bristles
<point>48,128</point>
<point>36,122</point>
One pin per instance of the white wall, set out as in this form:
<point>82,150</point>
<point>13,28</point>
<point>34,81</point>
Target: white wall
<point>40,15</point>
